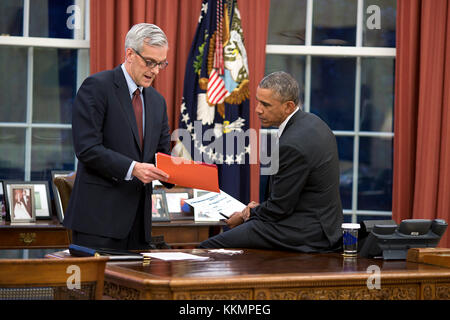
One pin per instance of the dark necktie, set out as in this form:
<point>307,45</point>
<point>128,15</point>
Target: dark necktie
<point>137,107</point>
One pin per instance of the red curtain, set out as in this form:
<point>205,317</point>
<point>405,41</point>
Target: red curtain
<point>111,20</point>
<point>422,120</point>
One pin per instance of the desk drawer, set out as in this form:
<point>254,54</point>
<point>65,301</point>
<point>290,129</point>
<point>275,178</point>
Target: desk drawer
<point>33,238</point>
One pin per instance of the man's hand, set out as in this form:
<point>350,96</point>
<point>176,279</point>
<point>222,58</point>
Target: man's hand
<point>246,211</point>
<point>147,172</point>
<point>235,219</point>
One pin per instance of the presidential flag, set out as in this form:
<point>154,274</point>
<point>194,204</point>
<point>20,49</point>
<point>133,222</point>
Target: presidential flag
<point>214,119</point>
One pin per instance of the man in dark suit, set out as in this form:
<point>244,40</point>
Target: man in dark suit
<point>119,122</point>
<point>303,210</point>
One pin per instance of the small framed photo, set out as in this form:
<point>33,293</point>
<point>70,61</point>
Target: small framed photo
<point>41,197</point>
<point>160,211</point>
<point>199,192</point>
<point>21,203</point>
<point>2,203</point>
<point>58,202</point>
<point>178,209</point>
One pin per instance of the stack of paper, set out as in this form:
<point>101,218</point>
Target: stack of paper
<point>215,206</point>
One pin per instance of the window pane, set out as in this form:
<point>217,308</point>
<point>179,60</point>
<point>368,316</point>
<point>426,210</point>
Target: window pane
<point>333,91</point>
<point>287,22</point>
<point>56,19</point>
<point>375,174</point>
<point>12,155</point>
<point>334,22</point>
<point>52,149</point>
<point>377,94</point>
<point>379,23</point>
<point>11,22</point>
<point>55,84</point>
<point>13,84</point>
<point>345,150</point>
<point>294,65</point>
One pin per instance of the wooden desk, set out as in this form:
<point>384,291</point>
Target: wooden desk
<point>45,234</point>
<point>272,275</point>
<point>186,233</point>
<point>39,235</point>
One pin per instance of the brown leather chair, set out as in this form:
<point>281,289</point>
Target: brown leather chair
<point>52,279</point>
<point>64,186</point>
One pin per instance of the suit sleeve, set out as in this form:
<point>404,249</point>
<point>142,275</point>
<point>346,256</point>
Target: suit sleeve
<point>286,187</point>
<point>89,110</point>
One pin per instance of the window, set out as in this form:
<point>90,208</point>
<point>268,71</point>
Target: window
<point>44,57</point>
<point>342,53</point>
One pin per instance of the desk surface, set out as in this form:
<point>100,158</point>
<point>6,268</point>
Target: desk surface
<point>263,274</point>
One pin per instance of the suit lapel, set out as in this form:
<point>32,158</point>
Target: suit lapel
<point>123,94</point>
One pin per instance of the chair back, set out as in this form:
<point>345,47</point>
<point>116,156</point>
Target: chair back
<point>64,186</point>
<point>52,279</point>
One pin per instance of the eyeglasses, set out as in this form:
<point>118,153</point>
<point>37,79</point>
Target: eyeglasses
<point>152,63</point>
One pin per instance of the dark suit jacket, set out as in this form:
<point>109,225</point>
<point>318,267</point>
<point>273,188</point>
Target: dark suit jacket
<point>106,141</point>
<point>304,211</point>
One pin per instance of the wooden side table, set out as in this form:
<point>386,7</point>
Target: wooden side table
<point>42,234</point>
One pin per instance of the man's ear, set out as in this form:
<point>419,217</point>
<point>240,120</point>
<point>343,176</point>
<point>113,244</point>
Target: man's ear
<point>290,107</point>
<point>128,53</point>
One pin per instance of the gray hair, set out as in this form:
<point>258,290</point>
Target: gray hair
<point>151,34</point>
<point>283,85</point>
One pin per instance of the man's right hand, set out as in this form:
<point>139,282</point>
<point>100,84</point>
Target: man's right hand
<point>147,172</point>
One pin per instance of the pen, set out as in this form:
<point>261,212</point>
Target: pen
<point>224,215</point>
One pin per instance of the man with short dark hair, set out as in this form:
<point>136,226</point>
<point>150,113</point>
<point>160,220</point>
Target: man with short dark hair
<point>303,211</point>
<point>119,122</point>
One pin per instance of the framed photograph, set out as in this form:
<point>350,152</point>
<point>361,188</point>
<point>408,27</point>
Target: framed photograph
<point>160,211</point>
<point>56,196</point>
<point>20,201</point>
<point>199,193</point>
<point>2,203</point>
<point>41,197</point>
<point>178,209</point>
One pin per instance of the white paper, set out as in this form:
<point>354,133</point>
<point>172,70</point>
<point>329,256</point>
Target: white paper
<point>226,251</point>
<point>173,256</point>
<point>208,206</point>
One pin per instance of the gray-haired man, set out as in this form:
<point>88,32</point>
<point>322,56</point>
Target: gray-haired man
<point>303,210</point>
<point>119,122</point>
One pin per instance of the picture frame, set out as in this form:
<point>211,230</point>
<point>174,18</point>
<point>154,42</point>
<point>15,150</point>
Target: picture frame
<point>199,193</point>
<point>20,200</point>
<point>56,196</point>
<point>178,210</point>
<point>41,197</point>
<point>2,202</point>
<point>160,210</point>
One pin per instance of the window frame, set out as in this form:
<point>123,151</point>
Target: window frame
<point>31,43</point>
<point>358,51</point>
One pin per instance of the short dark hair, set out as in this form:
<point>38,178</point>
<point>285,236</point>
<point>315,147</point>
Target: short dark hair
<point>283,85</point>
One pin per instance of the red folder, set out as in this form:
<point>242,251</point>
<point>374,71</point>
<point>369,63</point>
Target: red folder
<point>188,173</point>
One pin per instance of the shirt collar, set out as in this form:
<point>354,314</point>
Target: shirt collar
<point>131,84</point>
<point>284,123</point>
